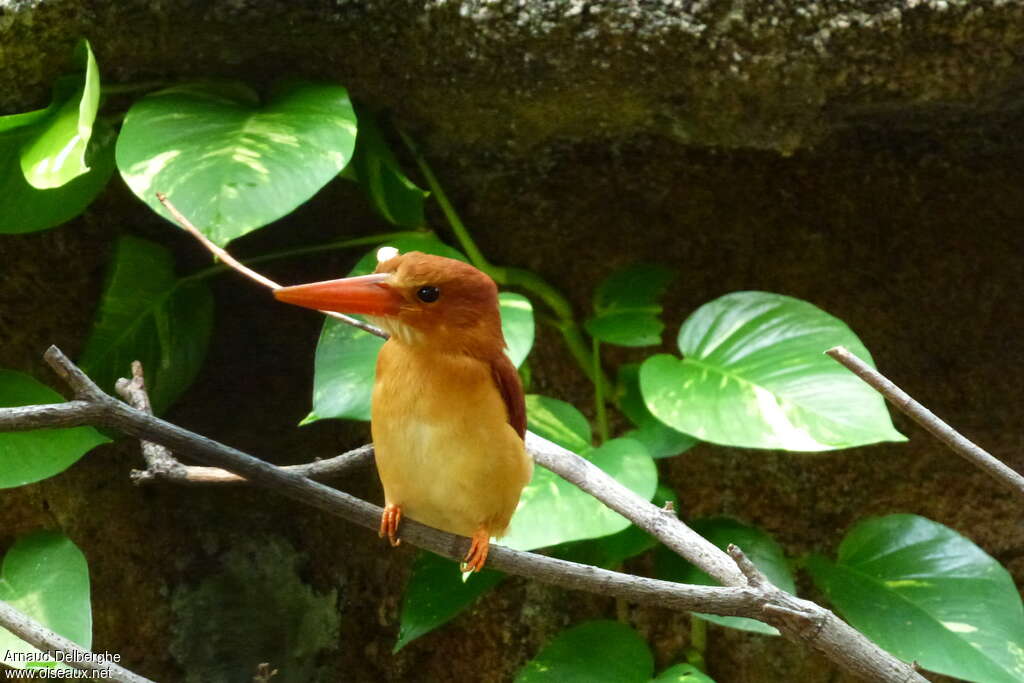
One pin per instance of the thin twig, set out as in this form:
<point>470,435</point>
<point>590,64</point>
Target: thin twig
<point>45,640</point>
<point>318,470</point>
<point>959,444</point>
<point>160,462</point>
<point>230,260</point>
<point>795,618</point>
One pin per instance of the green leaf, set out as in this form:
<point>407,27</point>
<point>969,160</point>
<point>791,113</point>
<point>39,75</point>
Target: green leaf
<point>683,673</point>
<point>661,440</point>
<point>761,548</point>
<point>375,168</point>
<point>754,375</point>
<point>558,421</point>
<point>26,209</point>
<point>611,551</point>
<point>552,511</point>
<point>436,593</point>
<point>148,314</point>
<point>228,164</point>
<point>626,308</point>
<point>55,152</point>
<point>45,576</point>
<point>26,457</point>
<point>592,652</point>
<point>346,357</point>
<point>517,325</point>
<point>927,594</point>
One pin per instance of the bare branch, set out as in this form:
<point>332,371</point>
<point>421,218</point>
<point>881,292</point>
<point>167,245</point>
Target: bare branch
<point>42,638</point>
<point>662,524</point>
<point>160,462</point>
<point>248,272</point>
<point>960,444</point>
<point>318,470</point>
<point>796,618</point>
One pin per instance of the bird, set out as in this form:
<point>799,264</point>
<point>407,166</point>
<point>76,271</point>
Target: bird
<point>448,414</point>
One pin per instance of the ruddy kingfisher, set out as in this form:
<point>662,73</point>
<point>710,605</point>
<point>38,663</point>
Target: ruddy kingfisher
<point>448,416</point>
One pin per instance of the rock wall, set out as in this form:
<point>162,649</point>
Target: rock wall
<point>862,155</point>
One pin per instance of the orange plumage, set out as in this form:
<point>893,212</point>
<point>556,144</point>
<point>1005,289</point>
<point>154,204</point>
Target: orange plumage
<point>448,415</point>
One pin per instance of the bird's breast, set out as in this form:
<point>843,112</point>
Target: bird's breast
<point>445,451</point>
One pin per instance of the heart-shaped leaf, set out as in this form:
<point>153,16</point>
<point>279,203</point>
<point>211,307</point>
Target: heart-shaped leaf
<point>27,209</point>
<point>661,440</point>
<point>553,511</point>
<point>26,457</point>
<point>761,548</point>
<point>228,163</point>
<point>626,308</point>
<point>558,421</point>
<point>754,375</point>
<point>54,161</point>
<point>927,594</point>
<point>517,325</point>
<point>609,552</point>
<point>596,652</point>
<point>148,314</point>
<point>54,152</point>
<point>45,576</point>
<point>375,168</point>
<point>436,593</point>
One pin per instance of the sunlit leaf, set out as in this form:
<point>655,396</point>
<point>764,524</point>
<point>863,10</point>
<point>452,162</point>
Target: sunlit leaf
<point>29,456</point>
<point>927,594</point>
<point>26,209</point>
<point>611,551</point>
<point>229,164</point>
<point>661,440</point>
<point>754,375</point>
<point>517,325</point>
<point>592,652</point>
<point>375,168</point>
<point>346,357</point>
<point>436,593</point>
<point>558,421</point>
<point>45,576</point>
<point>761,548</point>
<point>148,314</point>
<point>553,511</point>
<point>626,308</point>
<point>54,152</point>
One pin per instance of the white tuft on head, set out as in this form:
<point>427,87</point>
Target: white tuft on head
<point>386,254</point>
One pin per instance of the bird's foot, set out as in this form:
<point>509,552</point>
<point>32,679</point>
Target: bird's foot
<point>477,555</point>
<point>389,522</point>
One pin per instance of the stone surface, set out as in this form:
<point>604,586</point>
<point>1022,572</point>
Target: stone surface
<point>864,156</point>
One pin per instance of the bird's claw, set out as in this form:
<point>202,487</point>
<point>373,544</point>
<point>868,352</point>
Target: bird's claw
<point>477,555</point>
<point>389,522</point>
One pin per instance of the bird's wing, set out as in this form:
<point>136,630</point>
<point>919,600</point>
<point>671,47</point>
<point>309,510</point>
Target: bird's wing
<point>507,379</point>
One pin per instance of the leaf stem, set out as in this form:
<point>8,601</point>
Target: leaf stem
<point>303,251</point>
<point>476,257</point>
<point>601,411</point>
<point>510,276</point>
<point>698,642</point>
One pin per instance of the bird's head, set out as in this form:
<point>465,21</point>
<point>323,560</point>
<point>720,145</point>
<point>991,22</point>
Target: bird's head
<point>419,299</point>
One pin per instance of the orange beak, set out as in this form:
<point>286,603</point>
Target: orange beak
<point>366,294</point>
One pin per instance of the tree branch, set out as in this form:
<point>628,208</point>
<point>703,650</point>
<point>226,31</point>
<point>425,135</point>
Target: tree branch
<point>797,619</point>
<point>44,639</point>
<point>959,444</point>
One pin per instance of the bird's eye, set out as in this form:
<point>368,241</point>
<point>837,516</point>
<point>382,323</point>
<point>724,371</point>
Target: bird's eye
<point>428,294</point>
